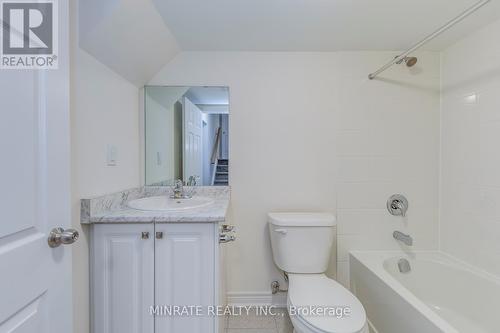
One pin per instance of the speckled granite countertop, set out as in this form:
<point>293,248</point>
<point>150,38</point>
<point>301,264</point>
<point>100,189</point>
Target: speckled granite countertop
<point>113,208</point>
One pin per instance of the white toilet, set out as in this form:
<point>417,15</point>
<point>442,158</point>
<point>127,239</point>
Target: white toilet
<point>301,244</point>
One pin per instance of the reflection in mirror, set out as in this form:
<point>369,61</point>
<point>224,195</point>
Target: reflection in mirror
<point>186,132</point>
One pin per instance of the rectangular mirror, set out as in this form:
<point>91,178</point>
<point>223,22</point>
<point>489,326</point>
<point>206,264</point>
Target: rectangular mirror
<point>187,135</point>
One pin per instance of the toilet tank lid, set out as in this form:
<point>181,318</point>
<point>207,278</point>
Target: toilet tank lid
<point>301,219</point>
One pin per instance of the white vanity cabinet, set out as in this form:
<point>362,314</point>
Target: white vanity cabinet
<point>122,275</point>
<point>136,266</point>
<point>185,274</point>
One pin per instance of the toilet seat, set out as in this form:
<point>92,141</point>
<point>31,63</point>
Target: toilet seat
<point>309,291</point>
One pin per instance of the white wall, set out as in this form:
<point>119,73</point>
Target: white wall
<point>310,132</point>
<point>470,214</point>
<point>104,110</point>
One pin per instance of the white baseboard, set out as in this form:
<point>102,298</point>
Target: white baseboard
<point>256,299</point>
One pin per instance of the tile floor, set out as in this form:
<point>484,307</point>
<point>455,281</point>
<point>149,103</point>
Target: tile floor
<point>256,323</point>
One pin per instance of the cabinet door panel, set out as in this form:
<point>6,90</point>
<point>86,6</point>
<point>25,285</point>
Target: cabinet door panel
<point>123,278</point>
<point>184,275</point>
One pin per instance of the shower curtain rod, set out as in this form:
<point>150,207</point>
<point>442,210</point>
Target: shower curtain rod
<point>433,35</point>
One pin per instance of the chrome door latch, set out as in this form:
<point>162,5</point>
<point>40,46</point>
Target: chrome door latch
<point>227,234</point>
<point>225,238</point>
<point>227,228</point>
<point>58,236</point>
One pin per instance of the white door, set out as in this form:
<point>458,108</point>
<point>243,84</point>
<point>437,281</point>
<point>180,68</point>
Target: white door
<point>123,278</point>
<point>35,280</point>
<point>193,148</point>
<point>224,144</point>
<point>185,275</point>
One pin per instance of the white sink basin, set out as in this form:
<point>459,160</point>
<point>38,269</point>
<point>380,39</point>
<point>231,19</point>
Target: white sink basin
<point>164,203</point>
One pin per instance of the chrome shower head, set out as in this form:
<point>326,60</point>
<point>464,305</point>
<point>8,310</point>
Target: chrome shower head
<point>409,61</point>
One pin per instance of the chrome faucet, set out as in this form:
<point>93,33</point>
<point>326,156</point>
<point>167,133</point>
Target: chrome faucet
<point>397,204</point>
<point>401,206</point>
<point>406,239</point>
<point>178,191</point>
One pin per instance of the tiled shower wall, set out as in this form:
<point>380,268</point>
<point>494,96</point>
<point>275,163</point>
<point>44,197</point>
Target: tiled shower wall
<point>470,212</point>
<point>388,142</point>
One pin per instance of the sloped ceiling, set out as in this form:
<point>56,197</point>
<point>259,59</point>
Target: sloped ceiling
<point>136,38</point>
<point>209,95</point>
<point>317,25</point>
<point>128,36</point>
<point>166,96</point>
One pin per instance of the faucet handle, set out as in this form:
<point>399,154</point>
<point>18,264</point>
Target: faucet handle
<point>192,183</point>
<point>175,184</point>
<point>397,205</point>
<point>193,180</point>
<point>177,189</point>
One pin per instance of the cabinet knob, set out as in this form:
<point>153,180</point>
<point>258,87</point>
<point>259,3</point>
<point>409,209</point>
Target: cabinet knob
<point>145,235</point>
<point>159,235</point>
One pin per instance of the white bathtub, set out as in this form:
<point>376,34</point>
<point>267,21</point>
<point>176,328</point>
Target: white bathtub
<point>439,294</point>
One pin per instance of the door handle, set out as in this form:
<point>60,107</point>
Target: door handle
<point>159,235</point>
<point>281,231</point>
<point>145,235</point>
<point>58,236</point>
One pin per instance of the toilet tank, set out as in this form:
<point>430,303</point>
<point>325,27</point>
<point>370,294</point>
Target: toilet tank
<point>301,242</point>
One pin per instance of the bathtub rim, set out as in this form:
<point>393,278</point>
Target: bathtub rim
<point>374,262</point>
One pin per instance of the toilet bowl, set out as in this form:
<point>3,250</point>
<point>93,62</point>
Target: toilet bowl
<point>347,315</point>
<point>301,244</point>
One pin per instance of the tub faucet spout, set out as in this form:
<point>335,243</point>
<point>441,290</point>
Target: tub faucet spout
<point>406,239</point>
